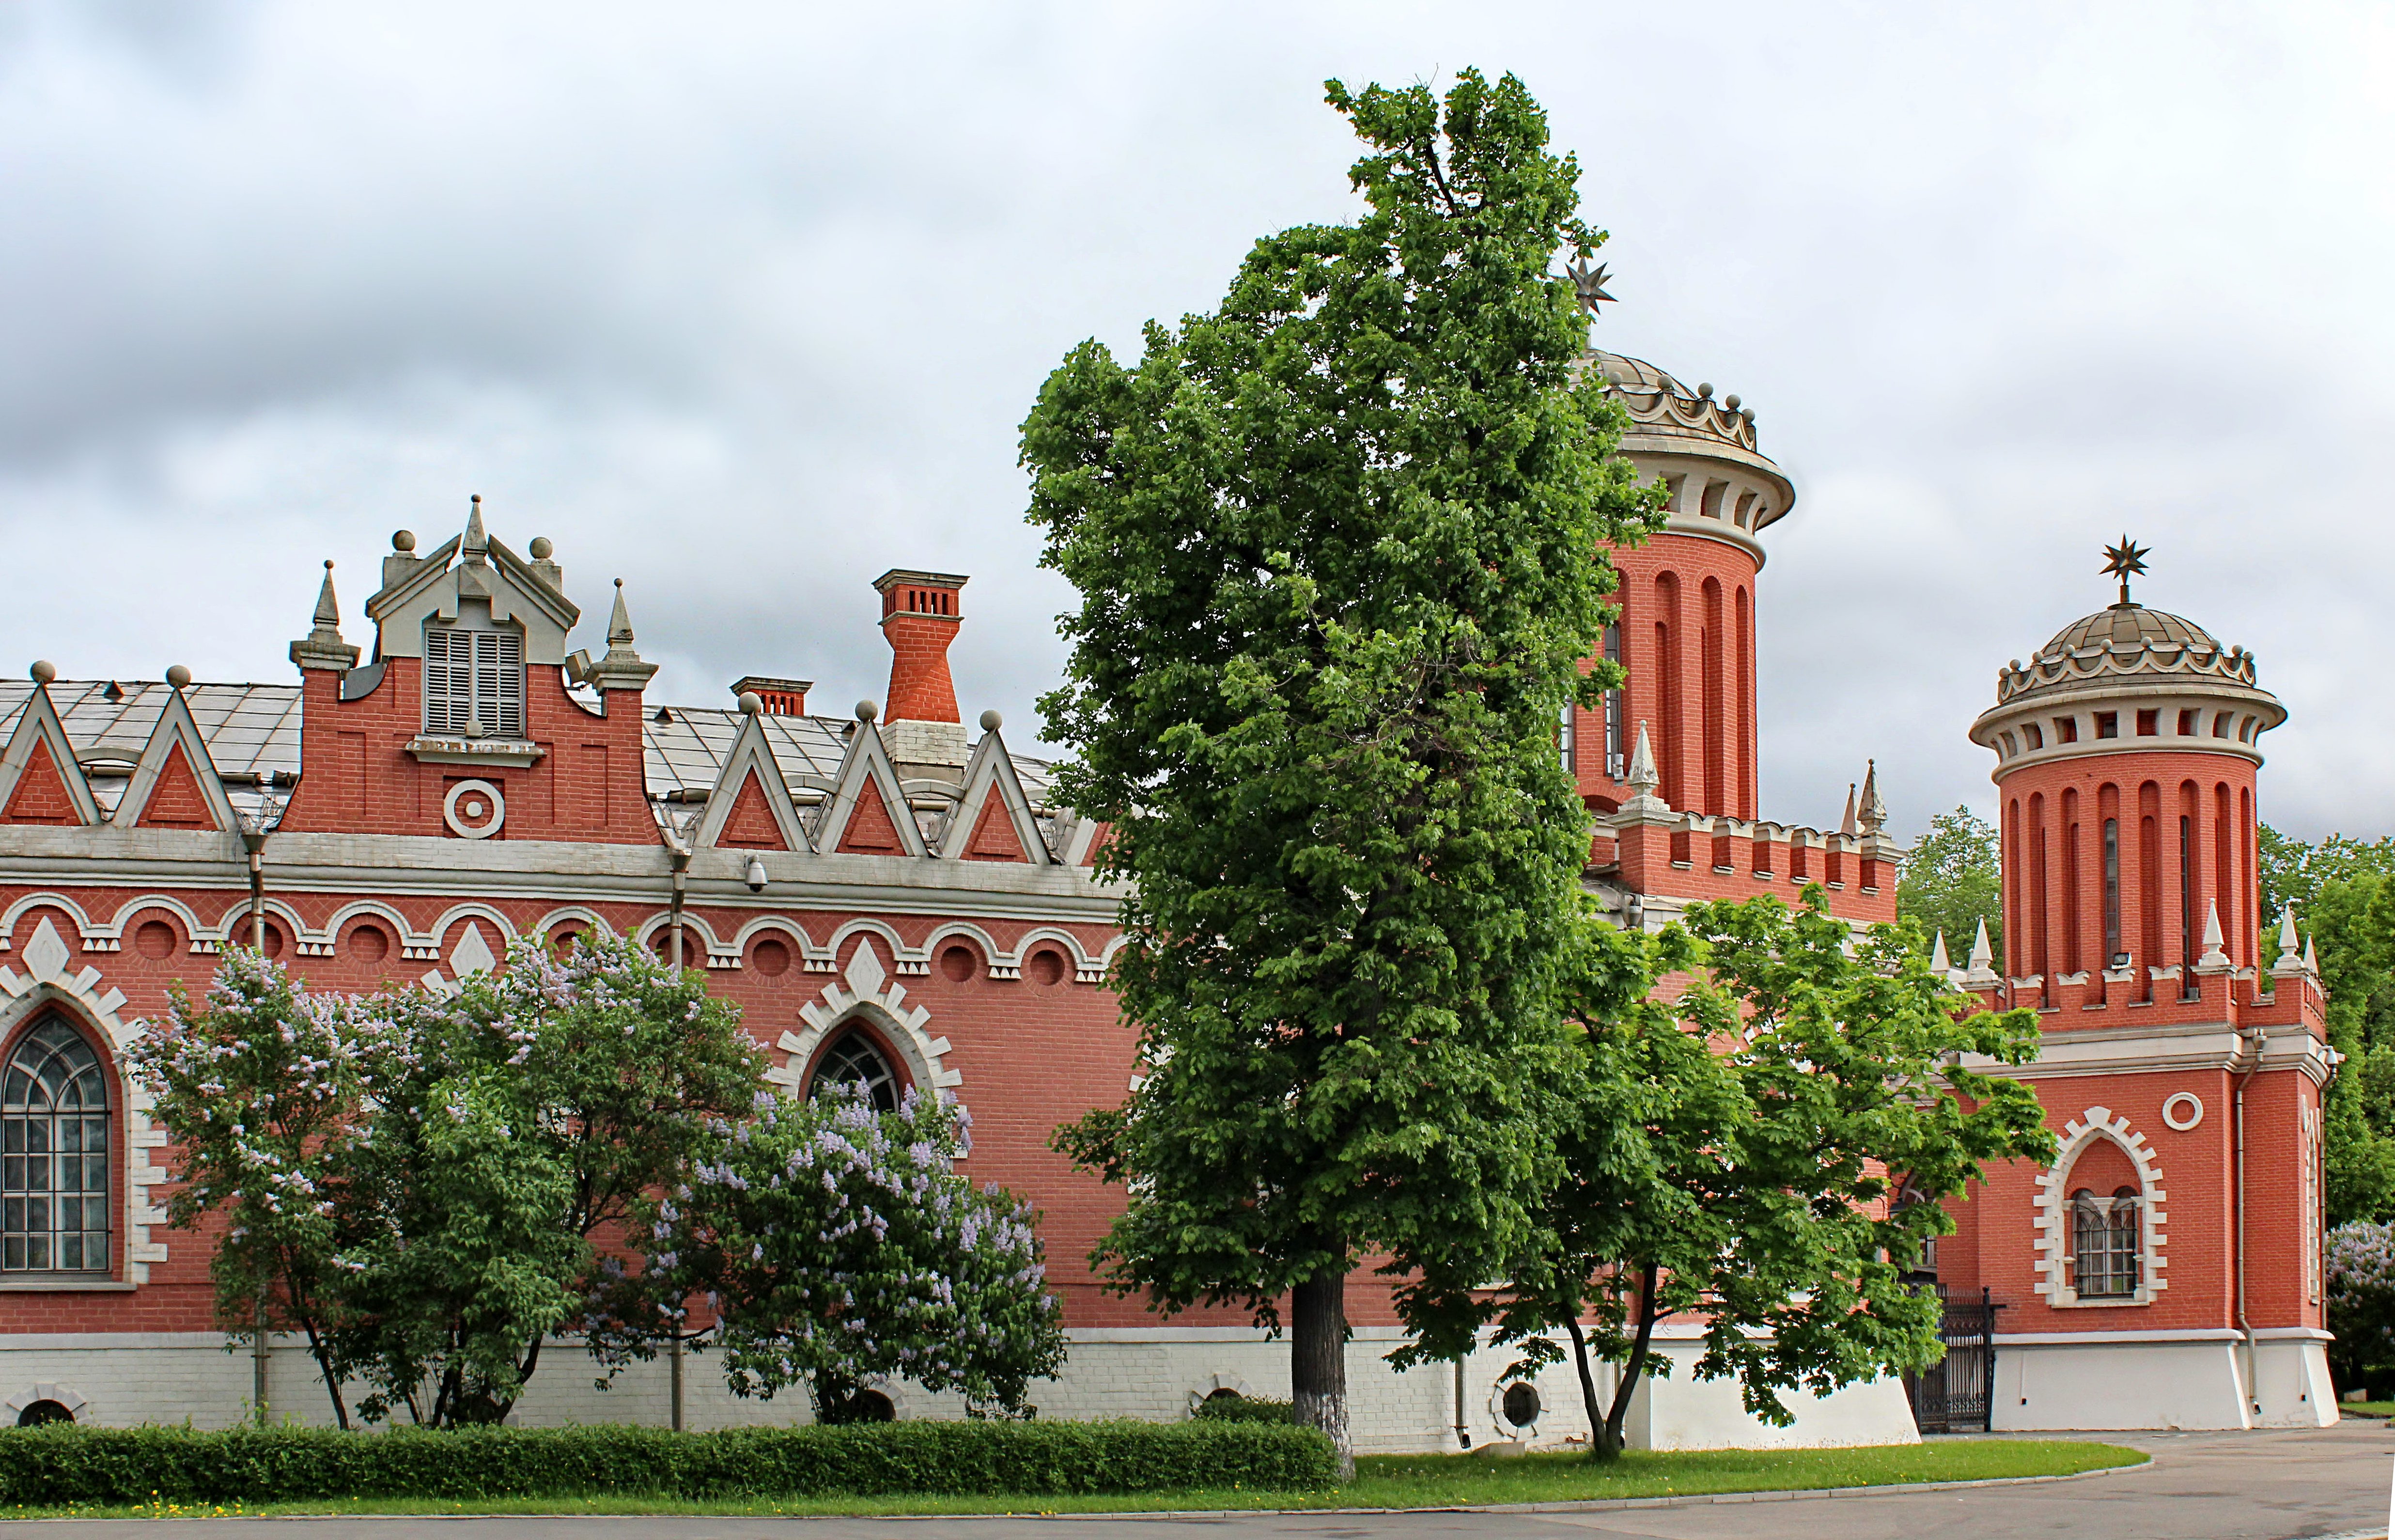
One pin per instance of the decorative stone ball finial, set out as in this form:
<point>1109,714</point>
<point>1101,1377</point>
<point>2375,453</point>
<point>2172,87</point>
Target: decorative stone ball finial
<point>178,675</point>
<point>991,721</point>
<point>1705,391</point>
<point>44,671</point>
<point>403,541</point>
<point>867,711</point>
<point>751,704</point>
<point>1730,400</point>
<point>541,548</point>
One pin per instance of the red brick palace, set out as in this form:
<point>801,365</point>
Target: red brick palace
<point>895,891</point>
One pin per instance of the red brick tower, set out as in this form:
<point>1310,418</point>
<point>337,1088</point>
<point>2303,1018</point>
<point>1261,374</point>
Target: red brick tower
<point>1669,765</point>
<point>2164,1272</point>
<point>1686,631</point>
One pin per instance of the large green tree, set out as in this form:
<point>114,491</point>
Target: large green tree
<point>2343,891</point>
<point>1340,549</point>
<point>1953,880</point>
<point>1766,1151</point>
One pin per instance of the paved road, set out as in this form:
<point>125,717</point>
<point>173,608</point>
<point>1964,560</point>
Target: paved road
<point>2201,1486</point>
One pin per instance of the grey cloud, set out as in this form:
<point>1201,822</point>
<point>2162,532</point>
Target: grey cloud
<point>743,303</point>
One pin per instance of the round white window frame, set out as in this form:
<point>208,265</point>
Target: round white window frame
<point>1520,1431</point>
<point>458,825</point>
<point>2170,1116</point>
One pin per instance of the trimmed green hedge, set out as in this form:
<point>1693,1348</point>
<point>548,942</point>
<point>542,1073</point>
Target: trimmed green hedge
<point>1244,1409</point>
<point>65,1464</point>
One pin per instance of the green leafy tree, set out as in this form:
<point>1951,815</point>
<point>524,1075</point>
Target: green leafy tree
<point>837,1245</point>
<point>1954,879</point>
<point>515,1120</point>
<point>2352,923</point>
<point>1340,547</point>
<point>256,1085</point>
<point>2294,871</point>
<point>1729,1154</point>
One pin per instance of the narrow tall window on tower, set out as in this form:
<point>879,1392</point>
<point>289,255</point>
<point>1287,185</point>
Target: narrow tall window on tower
<point>1565,736</point>
<point>2186,905</point>
<point>1617,726</point>
<point>2113,956</point>
<point>473,677</point>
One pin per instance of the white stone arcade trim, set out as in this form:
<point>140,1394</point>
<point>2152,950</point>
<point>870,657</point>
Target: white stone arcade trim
<point>866,989</point>
<point>2052,1211</point>
<point>46,980</point>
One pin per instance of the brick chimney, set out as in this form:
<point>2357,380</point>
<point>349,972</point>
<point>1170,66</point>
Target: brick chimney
<point>920,722</point>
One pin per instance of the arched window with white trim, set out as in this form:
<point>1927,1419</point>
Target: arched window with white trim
<point>2108,1244</point>
<point>854,1059</point>
<point>54,1153</point>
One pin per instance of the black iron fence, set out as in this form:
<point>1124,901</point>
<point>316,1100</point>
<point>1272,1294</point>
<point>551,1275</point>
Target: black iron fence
<point>1954,1395</point>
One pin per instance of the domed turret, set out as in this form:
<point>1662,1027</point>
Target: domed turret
<point>2127,672</point>
<point>2125,751</point>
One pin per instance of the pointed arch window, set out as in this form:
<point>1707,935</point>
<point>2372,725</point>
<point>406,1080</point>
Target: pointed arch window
<point>2106,1244</point>
<point>854,1059</point>
<point>473,677</point>
<point>54,1155</point>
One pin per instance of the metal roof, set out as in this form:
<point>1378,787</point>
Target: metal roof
<point>253,730</point>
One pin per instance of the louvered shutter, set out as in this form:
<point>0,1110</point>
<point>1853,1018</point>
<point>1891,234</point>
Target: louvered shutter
<point>448,680</point>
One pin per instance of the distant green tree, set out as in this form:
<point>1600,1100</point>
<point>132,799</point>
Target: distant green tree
<point>1954,879</point>
<point>2294,871</point>
<point>1341,549</point>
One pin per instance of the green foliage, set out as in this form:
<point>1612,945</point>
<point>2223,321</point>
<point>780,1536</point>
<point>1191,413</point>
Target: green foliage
<point>1951,880</point>
<point>1727,1154</point>
<point>2294,871</point>
<point>1340,550</point>
<point>415,1181</point>
<point>67,1464</point>
<point>836,1244</point>
<point>1221,1408</point>
<point>259,1083</point>
<point>2360,1267</point>
<point>2344,894</point>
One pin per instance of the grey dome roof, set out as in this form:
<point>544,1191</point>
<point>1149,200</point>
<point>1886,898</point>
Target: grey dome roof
<point>1637,374</point>
<point>2129,626</point>
<point>2124,640</point>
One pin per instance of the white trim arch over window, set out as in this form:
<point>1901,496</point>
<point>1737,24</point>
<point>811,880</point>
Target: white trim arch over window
<point>2059,1217</point>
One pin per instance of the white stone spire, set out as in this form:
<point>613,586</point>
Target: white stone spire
<point>322,647</point>
<point>2214,958</point>
<point>1846,823</point>
<point>1643,803</point>
<point>1981,973</point>
<point>2289,954</point>
<point>622,669</point>
<point>1872,813</point>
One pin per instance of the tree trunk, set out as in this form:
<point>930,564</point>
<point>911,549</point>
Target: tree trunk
<point>1609,1439</point>
<point>1317,1360</point>
<point>1597,1447</point>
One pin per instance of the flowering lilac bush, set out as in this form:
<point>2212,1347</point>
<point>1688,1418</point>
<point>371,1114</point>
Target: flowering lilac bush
<point>417,1179</point>
<point>257,1082</point>
<point>2361,1306</point>
<point>834,1245</point>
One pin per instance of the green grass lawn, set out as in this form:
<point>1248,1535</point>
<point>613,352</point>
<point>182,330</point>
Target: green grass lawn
<point>2367,1408</point>
<point>1382,1481</point>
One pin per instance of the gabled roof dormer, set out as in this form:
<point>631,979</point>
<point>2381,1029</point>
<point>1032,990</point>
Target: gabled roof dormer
<point>866,813</point>
<point>40,780</point>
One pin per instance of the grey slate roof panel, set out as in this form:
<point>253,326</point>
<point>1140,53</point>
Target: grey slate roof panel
<point>254,729</point>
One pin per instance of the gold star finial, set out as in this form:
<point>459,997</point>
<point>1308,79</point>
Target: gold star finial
<point>2123,559</point>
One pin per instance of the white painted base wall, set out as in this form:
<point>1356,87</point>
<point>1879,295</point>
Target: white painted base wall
<point>1151,1373</point>
<point>2173,1380</point>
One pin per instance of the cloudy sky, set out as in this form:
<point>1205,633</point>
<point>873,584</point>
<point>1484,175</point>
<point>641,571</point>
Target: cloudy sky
<point>743,303</point>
